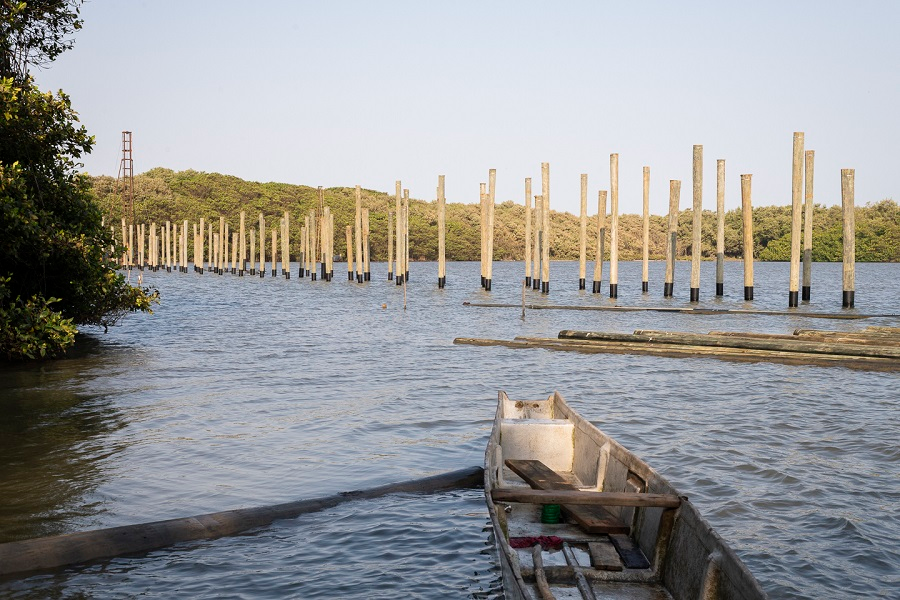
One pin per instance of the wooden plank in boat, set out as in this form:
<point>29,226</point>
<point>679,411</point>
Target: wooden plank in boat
<point>604,556</point>
<point>630,552</point>
<point>592,519</point>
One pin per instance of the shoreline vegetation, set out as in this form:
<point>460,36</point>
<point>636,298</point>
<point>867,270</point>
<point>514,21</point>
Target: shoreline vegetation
<point>165,195</point>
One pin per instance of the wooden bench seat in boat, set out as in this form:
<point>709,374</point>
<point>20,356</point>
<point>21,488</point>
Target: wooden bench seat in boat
<point>592,519</point>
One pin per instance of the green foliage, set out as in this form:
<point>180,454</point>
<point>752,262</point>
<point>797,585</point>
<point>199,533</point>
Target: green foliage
<point>52,241</point>
<point>30,328</point>
<point>34,33</point>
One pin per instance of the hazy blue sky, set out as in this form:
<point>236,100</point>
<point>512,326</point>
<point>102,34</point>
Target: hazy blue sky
<point>342,93</point>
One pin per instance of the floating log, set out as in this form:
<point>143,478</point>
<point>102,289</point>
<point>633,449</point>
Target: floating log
<point>717,341</point>
<point>690,351</point>
<point>689,310</point>
<point>45,553</point>
<point>844,337</point>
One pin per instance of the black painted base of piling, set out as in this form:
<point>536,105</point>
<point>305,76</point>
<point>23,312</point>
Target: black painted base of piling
<point>442,282</point>
<point>720,289</point>
<point>805,293</point>
<point>168,269</point>
<point>287,275</point>
<point>645,287</point>
<point>793,299</point>
<point>595,288</point>
<point>367,276</point>
<point>536,284</point>
<point>350,276</point>
<point>487,285</point>
<point>668,290</point>
<point>312,277</point>
<point>847,300</point>
<point>695,294</point>
<point>482,281</point>
<point>390,275</point>
<point>545,287</point>
<point>262,273</point>
<point>253,271</point>
<point>233,270</point>
<point>581,283</point>
<point>399,279</point>
<point>241,273</point>
<point>614,290</point>
<point>748,292</point>
<point>527,281</point>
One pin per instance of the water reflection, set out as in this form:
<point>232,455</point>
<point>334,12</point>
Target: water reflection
<point>53,444</point>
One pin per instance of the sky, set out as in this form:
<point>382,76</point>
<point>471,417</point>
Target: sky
<point>344,93</point>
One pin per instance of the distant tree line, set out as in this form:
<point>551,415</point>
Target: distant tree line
<point>163,194</point>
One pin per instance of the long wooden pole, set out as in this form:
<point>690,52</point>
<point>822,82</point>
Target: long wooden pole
<point>536,232</point>
<point>252,251</point>
<point>262,245</point>
<point>492,197</point>
<point>200,254</point>
<point>390,261</point>
<point>357,224</point>
<point>747,214</point>
<point>601,241</point>
<point>645,266</point>
<point>582,238</point>
<point>696,239</point>
<point>367,267</point>
<point>398,263</point>
<point>614,226</point>
<point>527,232</point>
<point>313,233</point>
<point>442,233</point>
<point>849,263</point>
<point>796,216</point>
<point>674,200</point>
<point>482,204</point>
<point>720,227</point>
<point>58,551</point>
<point>545,229</point>
<point>405,237</point>
<point>242,242</point>
<point>350,244</point>
<point>805,291</point>
<point>286,246</point>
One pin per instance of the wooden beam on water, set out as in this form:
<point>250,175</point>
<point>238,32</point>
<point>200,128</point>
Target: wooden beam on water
<point>41,554</point>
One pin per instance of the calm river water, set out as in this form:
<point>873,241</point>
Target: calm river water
<point>241,392</point>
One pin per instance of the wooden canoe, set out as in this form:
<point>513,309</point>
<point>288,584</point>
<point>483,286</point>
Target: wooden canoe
<point>624,531</point>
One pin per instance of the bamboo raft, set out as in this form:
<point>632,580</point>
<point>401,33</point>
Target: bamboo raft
<point>615,527</point>
<point>874,348</point>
